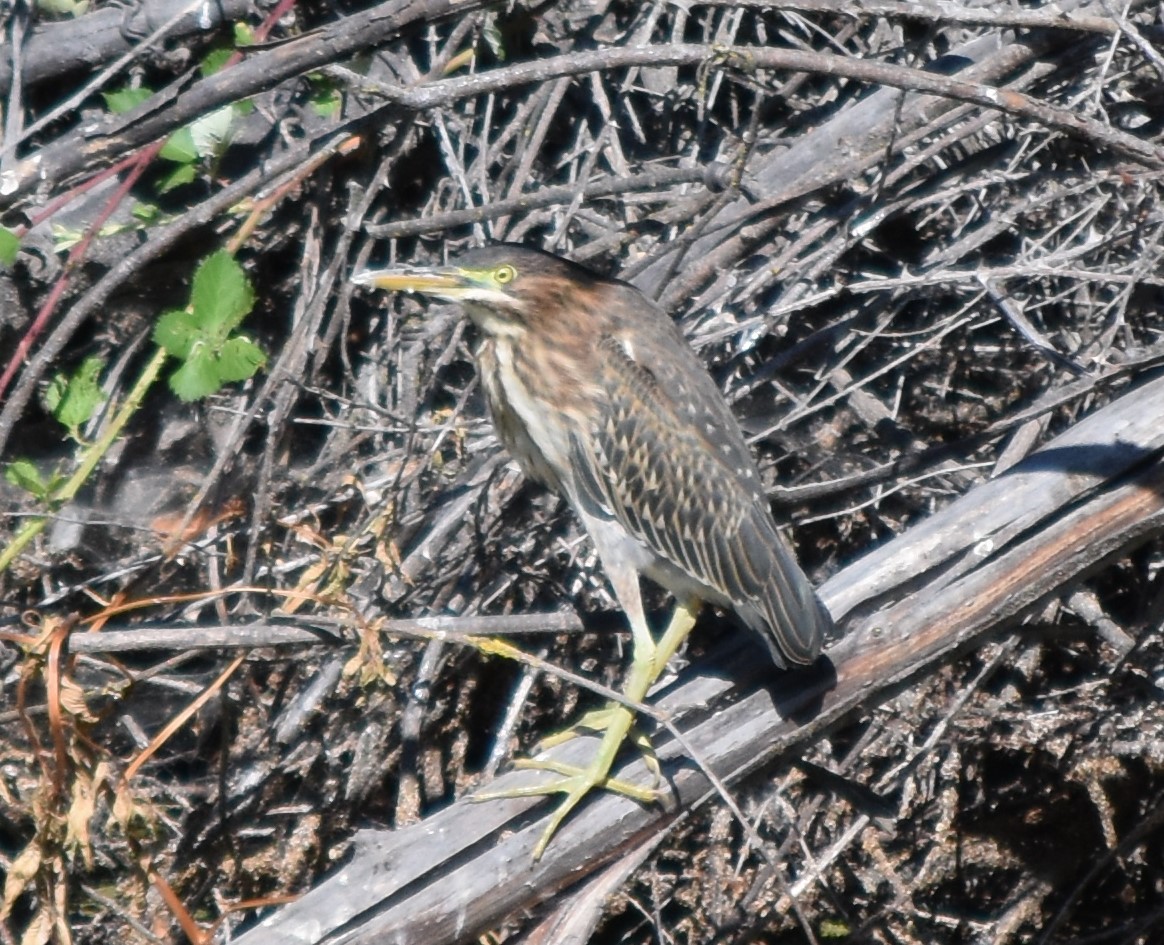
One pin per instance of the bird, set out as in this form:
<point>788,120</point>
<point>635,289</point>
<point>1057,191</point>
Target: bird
<point>596,393</point>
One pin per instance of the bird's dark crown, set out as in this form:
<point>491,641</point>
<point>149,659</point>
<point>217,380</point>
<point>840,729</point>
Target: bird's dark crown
<point>528,261</point>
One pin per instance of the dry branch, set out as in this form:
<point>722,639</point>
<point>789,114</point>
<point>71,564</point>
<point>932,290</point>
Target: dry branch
<point>57,48</point>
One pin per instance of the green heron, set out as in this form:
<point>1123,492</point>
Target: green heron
<point>596,393</point>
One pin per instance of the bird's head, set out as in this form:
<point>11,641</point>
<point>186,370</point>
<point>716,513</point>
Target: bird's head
<point>505,288</point>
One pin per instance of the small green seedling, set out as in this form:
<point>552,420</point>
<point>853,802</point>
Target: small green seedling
<point>200,335</point>
<point>23,474</point>
<point>73,400</point>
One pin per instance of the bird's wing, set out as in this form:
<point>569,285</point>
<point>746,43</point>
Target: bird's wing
<point>668,462</point>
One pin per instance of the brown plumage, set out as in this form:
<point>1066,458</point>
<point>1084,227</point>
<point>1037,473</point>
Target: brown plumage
<point>628,424</point>
<point>596,393</point>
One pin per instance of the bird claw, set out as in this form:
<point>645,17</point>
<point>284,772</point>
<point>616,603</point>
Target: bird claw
<point>576,782</point>
<point>615,724</point>
<point>597,721</point>
<point>573,775</point>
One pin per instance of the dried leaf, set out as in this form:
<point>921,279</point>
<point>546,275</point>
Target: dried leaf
<point>23,870</point>
<point>39,929</point>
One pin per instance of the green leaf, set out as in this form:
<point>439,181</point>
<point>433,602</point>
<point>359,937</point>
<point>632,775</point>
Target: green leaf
<point>147,212</point>
<point>325,100</point>
<point>494,38</point>
<point>65,238</point>
<point>24,475</point>
<point>211,133</point>
<point>179,147</point>
<point>71,8</point>
<point>222,295</point>
<point>176,332</point>
<point>9,246</point>
<point>240,359</point>
<point>72,400</point>
<point>197,378</point>
<point>182,174</point>
<point>214,60</point>
<point>835,928</point>
<point>124,100</point>
<point>243,34</point>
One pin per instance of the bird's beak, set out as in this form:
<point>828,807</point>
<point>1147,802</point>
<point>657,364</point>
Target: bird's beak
<point>446,282</point>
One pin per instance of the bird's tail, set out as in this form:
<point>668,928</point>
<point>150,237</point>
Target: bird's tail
<point>785,608</point>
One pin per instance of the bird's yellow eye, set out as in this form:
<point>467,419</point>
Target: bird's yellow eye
<point>504,274</point>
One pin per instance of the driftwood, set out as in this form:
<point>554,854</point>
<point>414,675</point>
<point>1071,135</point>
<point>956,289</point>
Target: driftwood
<point>970,570</point>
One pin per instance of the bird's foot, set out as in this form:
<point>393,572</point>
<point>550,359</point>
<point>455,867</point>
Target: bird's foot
<point>596,722</point>
<point>593,721</point>
<point>571,777</point>
<point>576,782</point>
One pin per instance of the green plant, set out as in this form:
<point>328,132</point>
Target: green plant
<point>72,399</point>
<point>9,246</point>
<point>200,335</point>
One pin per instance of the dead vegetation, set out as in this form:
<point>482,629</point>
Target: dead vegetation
<point>914,244</point>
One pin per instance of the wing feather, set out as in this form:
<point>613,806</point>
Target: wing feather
<point>668,462</point>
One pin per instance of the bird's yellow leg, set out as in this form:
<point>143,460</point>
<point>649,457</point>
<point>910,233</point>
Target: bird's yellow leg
<point>598,720</point>
<point>682,621</point>
<point>647,665</point>
<point>595,722</point>
<point>592,721</point>
<point>635,792</point>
